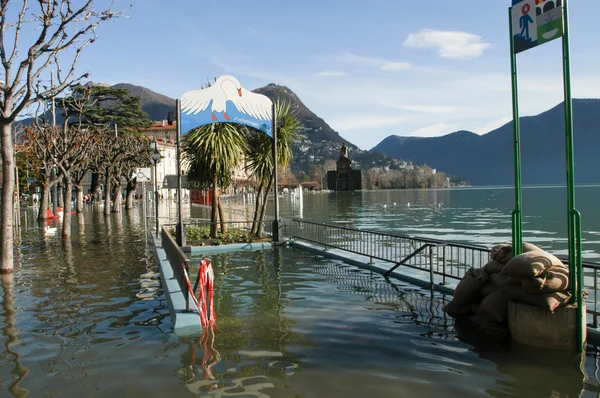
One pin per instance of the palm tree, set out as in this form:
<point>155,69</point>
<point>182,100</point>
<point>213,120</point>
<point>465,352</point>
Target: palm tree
<point>212,152</point>
<point>259,157</point>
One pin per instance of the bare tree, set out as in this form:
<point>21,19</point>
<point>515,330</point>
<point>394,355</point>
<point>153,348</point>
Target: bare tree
<point>57,25</point>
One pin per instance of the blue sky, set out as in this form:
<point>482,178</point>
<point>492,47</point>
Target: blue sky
<point>369,68</point>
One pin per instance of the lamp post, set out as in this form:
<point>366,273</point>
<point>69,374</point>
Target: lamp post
<point>155,160</point>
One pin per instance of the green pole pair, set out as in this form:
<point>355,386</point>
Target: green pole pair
<point>573,216</point>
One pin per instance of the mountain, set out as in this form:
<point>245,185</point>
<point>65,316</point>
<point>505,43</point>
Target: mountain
<point>315,128</point>
<point>488,159</point>
<point>157,106</point>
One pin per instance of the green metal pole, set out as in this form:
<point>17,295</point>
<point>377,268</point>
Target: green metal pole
<point>275,224</point>
<point>573,216</point>
<point>517,221</point>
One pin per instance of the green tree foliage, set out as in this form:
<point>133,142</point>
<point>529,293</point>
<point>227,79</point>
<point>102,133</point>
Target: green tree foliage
<point>259,157</point>
<point>211,153</point>
<point>106,107</point>
<point>117,116</point>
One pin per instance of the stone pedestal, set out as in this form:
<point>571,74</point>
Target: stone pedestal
<point>539,327</point>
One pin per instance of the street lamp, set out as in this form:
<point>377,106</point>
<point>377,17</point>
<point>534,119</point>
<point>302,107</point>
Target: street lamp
<point>155,160</point>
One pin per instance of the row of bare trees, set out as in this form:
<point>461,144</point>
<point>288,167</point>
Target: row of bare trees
<point>36,37</point>
<point>87,142</point>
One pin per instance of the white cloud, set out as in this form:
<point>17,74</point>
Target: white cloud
<point>381,63</point>
<point>434,130</point>
<point>437,109</point>
<point>354,59</point>
<point>449,44</point>
<point>394,66</point>
<point>357,122</point>
<point>331,73</point>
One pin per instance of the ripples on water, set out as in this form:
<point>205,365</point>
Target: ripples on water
<point>88,319</point>
<point>473,215</point>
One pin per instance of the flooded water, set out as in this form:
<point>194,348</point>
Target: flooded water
<point>88,318</point>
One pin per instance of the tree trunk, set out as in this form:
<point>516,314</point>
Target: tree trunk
<point>117,200</point>
<point>213,212</point>
<point>43,214</point>
<point>67,188</point>
<point>255,222</point>
<point>8,192</point>
<point>222,217</point>
<point>107,192</point>
<point>95,187</point>
<point>129,198</point>
<point>61,195</point>
<point>263,209</point>
<point>80,203</point>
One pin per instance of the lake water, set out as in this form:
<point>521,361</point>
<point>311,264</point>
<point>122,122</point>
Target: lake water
<point>472,215</point>
<point>88,318</point>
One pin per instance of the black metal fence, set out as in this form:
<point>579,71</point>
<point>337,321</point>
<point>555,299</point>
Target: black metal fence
<point>445,259</point>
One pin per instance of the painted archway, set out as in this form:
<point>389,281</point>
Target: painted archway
<point>226,101</point>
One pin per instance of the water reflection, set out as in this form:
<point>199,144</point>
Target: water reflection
<point>87,317</point>
<point>11,333</point>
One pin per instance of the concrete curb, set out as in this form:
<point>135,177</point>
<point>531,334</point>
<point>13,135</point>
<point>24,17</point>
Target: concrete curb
<point>234,247</point>
<point>185,324</point>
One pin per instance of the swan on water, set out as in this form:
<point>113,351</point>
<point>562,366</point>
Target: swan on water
<point>50,230</point>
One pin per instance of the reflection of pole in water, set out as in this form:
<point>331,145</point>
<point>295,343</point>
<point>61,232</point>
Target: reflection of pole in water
<point>301,202</point>
<point>12,333</point>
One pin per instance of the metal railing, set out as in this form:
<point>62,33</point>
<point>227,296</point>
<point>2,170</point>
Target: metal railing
<point>447,259</point>
<point>436,257</point>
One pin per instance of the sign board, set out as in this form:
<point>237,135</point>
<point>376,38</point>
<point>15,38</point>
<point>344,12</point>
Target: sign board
<point>226,101</point>
<point>535,22</point>
<point>143,174</point>
<point>170,181</point>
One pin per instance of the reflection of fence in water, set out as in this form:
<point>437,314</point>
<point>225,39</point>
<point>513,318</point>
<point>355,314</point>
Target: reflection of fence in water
<point>421,307</point>
<point>448,259</point>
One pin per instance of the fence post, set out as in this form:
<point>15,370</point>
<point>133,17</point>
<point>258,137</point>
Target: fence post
<point>443,265</point>
<point>186,289</point>
<point>431,284</point>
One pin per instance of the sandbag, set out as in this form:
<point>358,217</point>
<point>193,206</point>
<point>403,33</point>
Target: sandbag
<point>557,280</point>
<point>534,285</point>
<point>503,253</point>
<point>498,280</point>
<point>493,267</point>
<point>530,264</point>
<point>549,301</point>
<point>487,289</point>
<point>480,319</point>
<point>495,305</point>
<point>467,290</point>
<point>455,310</point>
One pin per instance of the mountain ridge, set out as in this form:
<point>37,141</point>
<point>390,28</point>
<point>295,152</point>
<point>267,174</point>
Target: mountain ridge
<point>488,159</point>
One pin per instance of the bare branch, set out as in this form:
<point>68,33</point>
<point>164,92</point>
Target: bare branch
<point>54,18</point>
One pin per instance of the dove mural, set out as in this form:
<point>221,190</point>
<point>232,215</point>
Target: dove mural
<point>226,101</point>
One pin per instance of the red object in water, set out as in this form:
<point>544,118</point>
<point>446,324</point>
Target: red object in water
<point>205,301</point>
<point>206,294</point>
<point>50,215</point>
